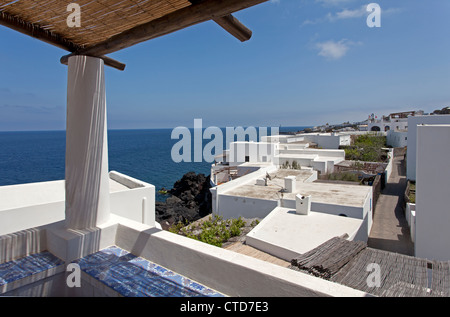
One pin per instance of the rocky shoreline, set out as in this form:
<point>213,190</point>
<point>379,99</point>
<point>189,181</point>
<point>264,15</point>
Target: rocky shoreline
<point>189,200</point>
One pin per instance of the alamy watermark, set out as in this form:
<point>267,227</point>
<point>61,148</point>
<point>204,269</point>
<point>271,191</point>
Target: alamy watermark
<point>74,18</point>
<point>374,278</point>
<point>374,18</point>
<point>191,148</point>
<point>74,277</point>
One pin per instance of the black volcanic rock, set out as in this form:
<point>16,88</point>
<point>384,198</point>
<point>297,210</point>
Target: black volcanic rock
<point>190,200</point>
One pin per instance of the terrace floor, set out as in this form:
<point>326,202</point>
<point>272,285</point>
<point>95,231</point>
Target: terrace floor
<point>329,193</point>
<point>245,249</point>
<point>111,272</point>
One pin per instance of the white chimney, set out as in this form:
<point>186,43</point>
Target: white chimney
<point>289,184</point>
<point>261,182</point>
<point>302,204</point>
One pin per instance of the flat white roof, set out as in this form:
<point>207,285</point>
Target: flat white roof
<point>285,234</point>
<point>300,156</point>
<point>328,193</point>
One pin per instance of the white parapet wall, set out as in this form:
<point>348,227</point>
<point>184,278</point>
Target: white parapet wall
<point>328,140</point>
<point>136,203</point>
<point>319,159</point>
<point>31,205</point>
<point>228,272</point>
<point>37,204</point>
<point>410,213</point>
<point>389,166</point>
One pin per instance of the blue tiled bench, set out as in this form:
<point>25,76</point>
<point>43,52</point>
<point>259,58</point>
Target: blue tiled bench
<point>133,276</point>
<point>29,269</point>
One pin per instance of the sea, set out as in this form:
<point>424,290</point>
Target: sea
<point>30,157</point>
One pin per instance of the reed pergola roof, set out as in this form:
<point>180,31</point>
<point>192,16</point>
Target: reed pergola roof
<point>351,263</point>
<point>111,25</point>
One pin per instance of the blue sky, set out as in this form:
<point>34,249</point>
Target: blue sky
<point>309,62</point>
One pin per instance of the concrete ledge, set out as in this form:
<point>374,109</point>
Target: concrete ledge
<point>39,204</point>
<point>70,245</point>
<point>223,270</point>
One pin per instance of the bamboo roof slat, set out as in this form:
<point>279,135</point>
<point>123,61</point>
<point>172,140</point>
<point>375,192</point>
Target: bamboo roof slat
<point>440,279</point>
<point>108,26</point>
<point>349,263</point>
<point>100,19</point>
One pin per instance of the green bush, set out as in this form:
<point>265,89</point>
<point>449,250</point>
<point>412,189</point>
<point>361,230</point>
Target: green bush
<point>367,148</point>
<point>214,231</point>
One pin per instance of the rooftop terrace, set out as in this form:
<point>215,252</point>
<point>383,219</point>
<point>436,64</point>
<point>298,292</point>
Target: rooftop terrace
<point>348,195</point>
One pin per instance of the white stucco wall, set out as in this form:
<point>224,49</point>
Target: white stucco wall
<point>410,213</point>
<point>321,160</point>
<point>37,204</point>
<point>256,152</point>
<point>328,140</point>
<point>235,206</point>
<point>397,138</point>
<point>412,139</point>
<point>433,192</point>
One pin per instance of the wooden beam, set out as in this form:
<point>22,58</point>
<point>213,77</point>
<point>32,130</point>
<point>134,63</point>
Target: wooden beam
<point>35,31</point>
<point>183,18</point>
<point>234,27</point>
<point>108,61</point>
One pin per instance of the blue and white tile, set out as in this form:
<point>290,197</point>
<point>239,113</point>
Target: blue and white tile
<point>133,276</point>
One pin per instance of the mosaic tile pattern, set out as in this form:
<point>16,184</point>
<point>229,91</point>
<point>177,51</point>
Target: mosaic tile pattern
<point>133,276</point>
<point>27,266</point>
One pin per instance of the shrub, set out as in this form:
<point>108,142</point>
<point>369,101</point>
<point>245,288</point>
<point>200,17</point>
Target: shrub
<point>367,148</point>
<point>214,231</point>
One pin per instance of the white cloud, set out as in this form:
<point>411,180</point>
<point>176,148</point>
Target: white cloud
<point>350,14</point>
<point>344,14</point>
<point>333,50</point>
<point>329,3</point>
<point>360,12</point>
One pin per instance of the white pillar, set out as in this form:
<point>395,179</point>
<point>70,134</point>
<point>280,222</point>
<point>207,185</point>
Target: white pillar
<point>87,179</point>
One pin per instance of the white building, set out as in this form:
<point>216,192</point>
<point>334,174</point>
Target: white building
<point>412,148</point>
<point>246,157</point>
<point>273,194</point>
<point>432,214</point>
<point>394,121</point>
<point>322,140</point>
<point>386,125</point>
